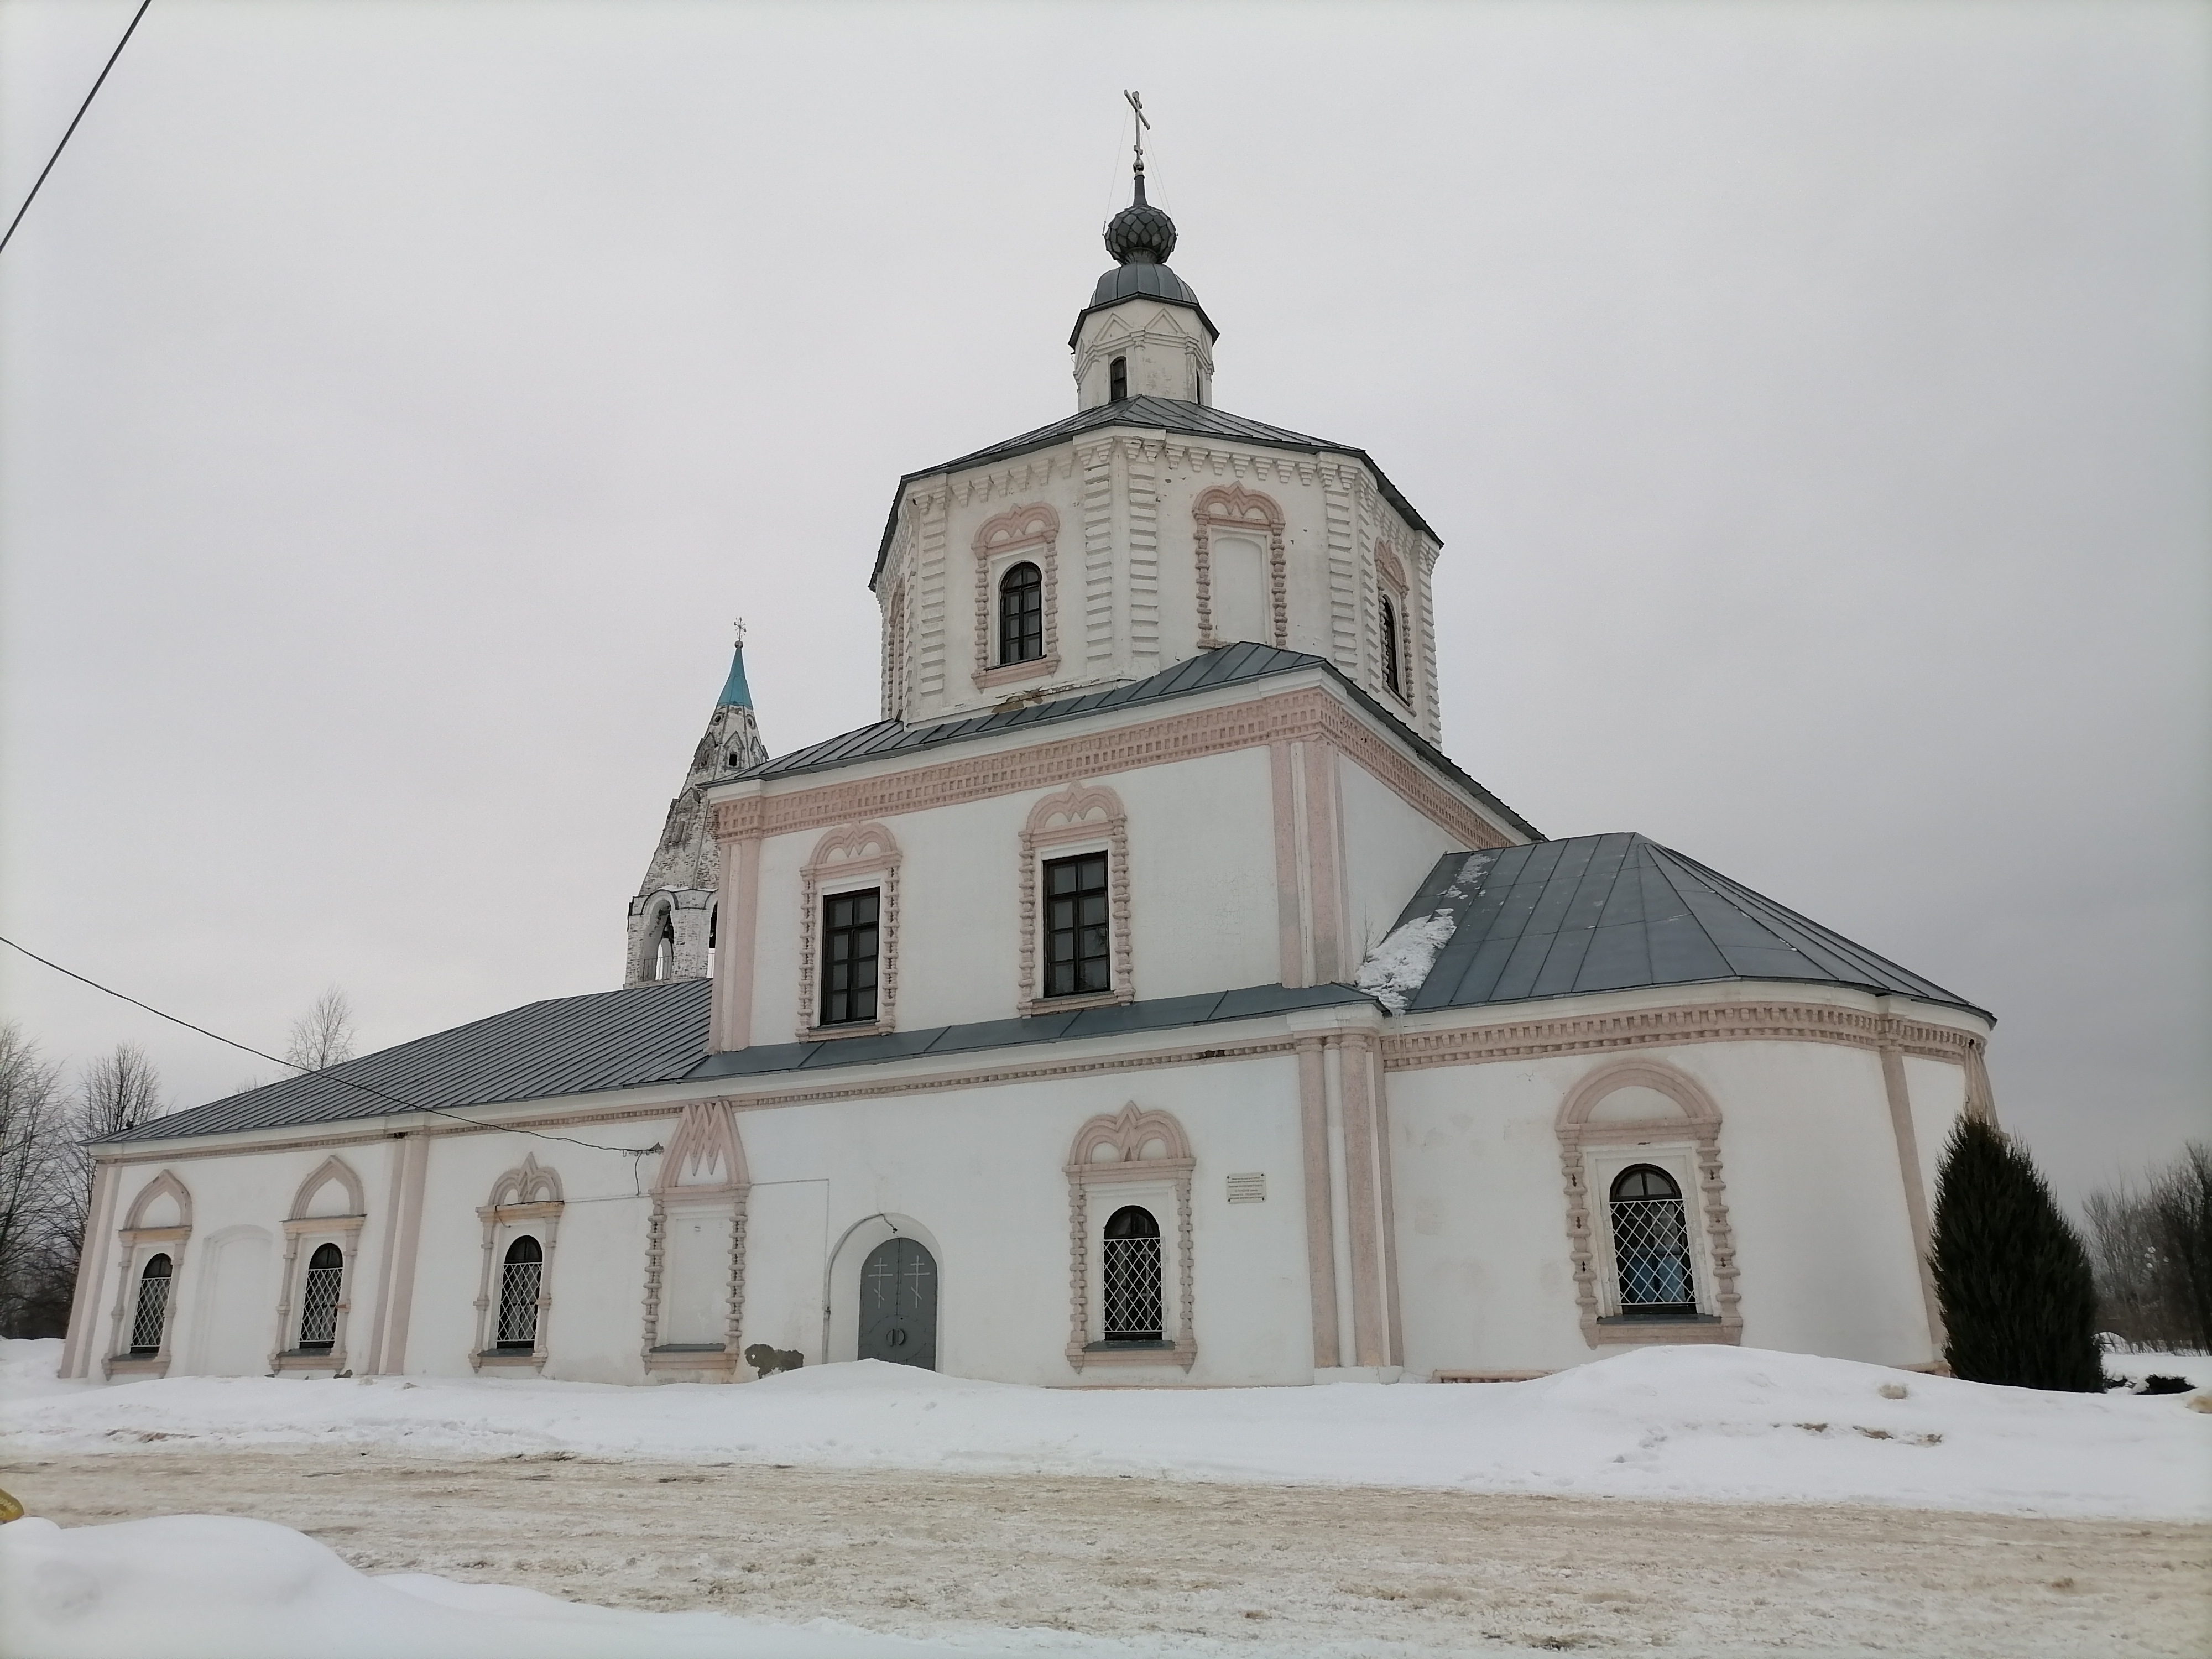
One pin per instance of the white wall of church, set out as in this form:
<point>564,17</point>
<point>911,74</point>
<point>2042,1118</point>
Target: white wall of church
<point>1390,847</point>
<point>1823,1243</point>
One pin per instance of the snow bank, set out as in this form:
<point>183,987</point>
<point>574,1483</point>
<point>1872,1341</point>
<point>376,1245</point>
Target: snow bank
<point>1395,970</point>
<point>1686,1424</point>
<point>212,1587</point>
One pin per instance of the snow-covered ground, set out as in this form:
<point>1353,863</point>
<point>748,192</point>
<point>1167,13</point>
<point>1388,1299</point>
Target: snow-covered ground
<point>1694,1424</point>
<point>215,1586</point>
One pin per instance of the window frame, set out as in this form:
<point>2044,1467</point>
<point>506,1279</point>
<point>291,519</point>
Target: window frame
<point>834,933</point>
<point>1082,896</point>
<point>1078,820</point>
<point>166,1278</point>
<point>304,1235</point>
<point>1117,379</point>
<point>1025,534</point>
<point>851,857</point>
<point>526,1199</point>
<point>1029,610</point>
<point>1140,1157</point>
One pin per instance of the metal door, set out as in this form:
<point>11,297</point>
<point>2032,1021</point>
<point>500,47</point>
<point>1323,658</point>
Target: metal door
<point>898,1305</point>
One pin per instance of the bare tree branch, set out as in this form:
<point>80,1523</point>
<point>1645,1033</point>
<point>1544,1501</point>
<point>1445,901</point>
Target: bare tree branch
<point>324,1035</point>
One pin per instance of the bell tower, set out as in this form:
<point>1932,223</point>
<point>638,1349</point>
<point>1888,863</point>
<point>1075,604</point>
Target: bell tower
<point>672,920</point>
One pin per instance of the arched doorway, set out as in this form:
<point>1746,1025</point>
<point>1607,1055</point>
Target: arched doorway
<point>898,1303</point>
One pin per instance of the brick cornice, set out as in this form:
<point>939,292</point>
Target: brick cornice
<point>1642,1028</point>
<point>1310,713</point>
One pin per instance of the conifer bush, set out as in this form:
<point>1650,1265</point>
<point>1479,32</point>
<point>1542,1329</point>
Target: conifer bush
<point>2018,1301</point>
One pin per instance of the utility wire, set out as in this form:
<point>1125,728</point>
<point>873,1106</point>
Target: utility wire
<point>322,1072</point>
<point>56,155</point>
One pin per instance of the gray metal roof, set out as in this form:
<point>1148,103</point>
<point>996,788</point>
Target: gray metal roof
<point>1232,664</point>
<point>1619,912</point>
<point>569,1046</point>
<point>653,1034</point>
<point>1150,415</point>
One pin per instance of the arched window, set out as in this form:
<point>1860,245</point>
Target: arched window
<point>318,1306</point>
<point>1117,380</point>
<point>518,1294</point>
<point>1021,614</point>
<point>664,948</point>
<point>1651,1244</point>
<point>1393,675</point>
<point>1132,1276</point>
<point>153,1305</point>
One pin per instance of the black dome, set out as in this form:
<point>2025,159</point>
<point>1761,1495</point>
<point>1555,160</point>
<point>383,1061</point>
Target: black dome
<point>1140,234</point>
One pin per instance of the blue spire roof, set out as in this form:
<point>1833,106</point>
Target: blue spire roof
<point>736,694</point>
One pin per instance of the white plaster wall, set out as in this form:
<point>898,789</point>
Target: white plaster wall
<point>1388,849</point>
<point>1937,1089</point>
<point>1202,895</point>
<point>1823,1242</point>
<point>786,1248</point>
<point>235,1196</point>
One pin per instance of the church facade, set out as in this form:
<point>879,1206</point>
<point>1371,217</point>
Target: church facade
<point>1144,998</point>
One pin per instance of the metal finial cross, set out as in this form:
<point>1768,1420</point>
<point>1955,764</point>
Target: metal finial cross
<point>740,625</point>
<point>1137,103</point>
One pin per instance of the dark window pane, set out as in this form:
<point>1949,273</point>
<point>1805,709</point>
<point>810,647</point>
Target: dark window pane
<point>849,935</point>
<point>1079,940</point>
<point>1021,614</point>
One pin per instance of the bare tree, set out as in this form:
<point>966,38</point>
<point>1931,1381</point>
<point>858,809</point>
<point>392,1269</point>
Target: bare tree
<point>36,1168</point>
<point>2153,1253</point>
<point>324,1035</point>
<point>2123,1250</point>
<point>2181,1211</point>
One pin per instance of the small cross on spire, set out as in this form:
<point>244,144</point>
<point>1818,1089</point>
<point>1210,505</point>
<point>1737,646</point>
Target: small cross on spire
<point>739,624</point>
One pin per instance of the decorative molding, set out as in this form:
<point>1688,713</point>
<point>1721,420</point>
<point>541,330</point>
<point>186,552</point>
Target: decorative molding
<point>1686,1023</point>
<point>140,1244</point>
<point>838,864</point>
<point>1114,1149</point>
<point>1311,712</point>
<point>1391,568</point>
<point>1699,1125</point>
<point>1030,531</point>
<point>1080,815</point>
<point>164,1183</point>
<point>704,1167</point>
<point>332,1168</point>
<point>1232,506</point>
<point>526,1199</point>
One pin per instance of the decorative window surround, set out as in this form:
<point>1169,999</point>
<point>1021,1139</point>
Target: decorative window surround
<point>140,1244</point>
<point>1114,1154</point>
<point>1310,713</point>
<point>854,856</point>
<point>1694,1137</point>
<point>526,1199</point>
<point>1233,507</point>
<point>1030,533</point>
<point>1079,817</point>
<point>703,1169</point>
<point>302,1234</point>
<point>1390,570</point>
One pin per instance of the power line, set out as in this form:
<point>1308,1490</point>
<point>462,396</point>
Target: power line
<point>56,155</point>
<point>321,1071</point>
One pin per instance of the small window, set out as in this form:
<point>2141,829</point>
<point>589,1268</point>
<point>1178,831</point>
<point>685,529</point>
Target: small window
<point>1077,932</point>
<point>850,925</point>
<point>319,1303</point>
<point>146,1319</point>
<point>1651,1244</point>
<point>664,948</point>
<point>1117,380</point>
<point>518,1296</point>
<point>1132,1276</point>
<point>1393,673</point>
<point>1021,614</point>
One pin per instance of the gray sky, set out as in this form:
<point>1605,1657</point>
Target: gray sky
<point>398,399</point>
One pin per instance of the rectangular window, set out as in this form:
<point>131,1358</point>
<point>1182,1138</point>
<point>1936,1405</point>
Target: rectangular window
<point>848,956</point>
<point>1078,932</point>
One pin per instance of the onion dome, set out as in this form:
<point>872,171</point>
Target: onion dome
<point>1140,233</point>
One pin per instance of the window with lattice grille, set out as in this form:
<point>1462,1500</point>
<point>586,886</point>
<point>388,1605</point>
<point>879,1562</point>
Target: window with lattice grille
<point>153,1308</point>
<point>1132,1276</point>
<point>1651,1244</point>
<point>518,1294</point>
<point>319,1305</point>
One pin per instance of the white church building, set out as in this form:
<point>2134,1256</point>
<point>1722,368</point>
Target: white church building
<point>1144,999</point>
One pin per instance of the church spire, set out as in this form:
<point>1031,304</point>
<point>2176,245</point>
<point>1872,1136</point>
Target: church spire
<point>672,918</point>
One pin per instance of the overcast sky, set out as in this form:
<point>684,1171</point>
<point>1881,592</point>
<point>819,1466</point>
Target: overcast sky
<point>397,401</point>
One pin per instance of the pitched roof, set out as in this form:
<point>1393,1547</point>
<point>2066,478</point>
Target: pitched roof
<point>653,1034</point>
<point>1150,415</point>
<point>567,1046</point>
<point>1233,664</point>
<point>1607,912</point>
